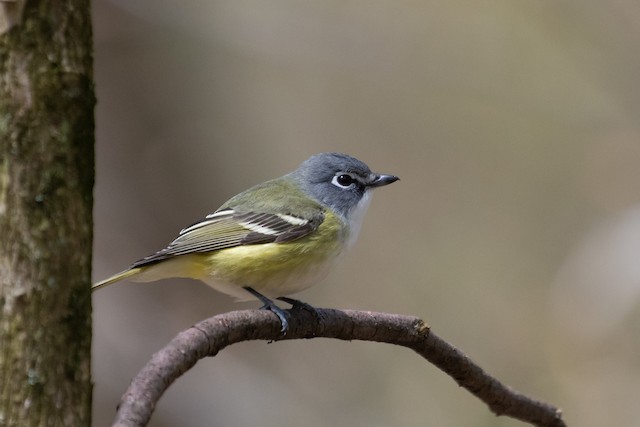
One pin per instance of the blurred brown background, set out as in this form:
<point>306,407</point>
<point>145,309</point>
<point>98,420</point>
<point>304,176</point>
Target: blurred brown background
<point>515,231</point>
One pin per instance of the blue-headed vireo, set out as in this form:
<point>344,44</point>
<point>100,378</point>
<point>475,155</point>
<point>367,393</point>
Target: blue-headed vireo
<point>274,239</point>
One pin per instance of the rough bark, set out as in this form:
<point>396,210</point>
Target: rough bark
<point>46,184</point>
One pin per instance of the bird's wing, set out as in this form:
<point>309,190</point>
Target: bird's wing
<point>228,228</point>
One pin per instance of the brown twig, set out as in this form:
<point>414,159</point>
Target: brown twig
<point>210,336</point>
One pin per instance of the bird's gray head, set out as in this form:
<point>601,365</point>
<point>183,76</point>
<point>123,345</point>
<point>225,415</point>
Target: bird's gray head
<point>339,181</point>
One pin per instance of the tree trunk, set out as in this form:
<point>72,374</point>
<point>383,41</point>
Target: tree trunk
<point>46,184</point>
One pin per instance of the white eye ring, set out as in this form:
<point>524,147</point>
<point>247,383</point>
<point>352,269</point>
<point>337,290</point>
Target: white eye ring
<point>343,180</point>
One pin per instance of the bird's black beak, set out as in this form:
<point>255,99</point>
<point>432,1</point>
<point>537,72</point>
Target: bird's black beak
<point>379,180</point>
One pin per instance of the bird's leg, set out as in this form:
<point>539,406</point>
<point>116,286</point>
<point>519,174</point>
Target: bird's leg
<point>271,306</point>
<point>297,304</point>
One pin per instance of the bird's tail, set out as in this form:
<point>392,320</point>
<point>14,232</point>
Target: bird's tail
<point>116,277</point>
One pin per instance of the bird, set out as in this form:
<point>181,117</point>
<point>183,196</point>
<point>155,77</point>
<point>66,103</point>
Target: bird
<point>274,239</point>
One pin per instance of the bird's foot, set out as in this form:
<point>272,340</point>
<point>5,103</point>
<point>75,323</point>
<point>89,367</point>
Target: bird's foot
<point>301,305</point>
<point>271,306</point>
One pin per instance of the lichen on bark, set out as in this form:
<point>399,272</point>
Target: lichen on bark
<point>46,183</point>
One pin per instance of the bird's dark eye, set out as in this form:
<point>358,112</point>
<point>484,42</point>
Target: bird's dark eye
<point>345,180</point>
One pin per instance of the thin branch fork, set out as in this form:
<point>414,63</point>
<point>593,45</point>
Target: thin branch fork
<point>210,336</point>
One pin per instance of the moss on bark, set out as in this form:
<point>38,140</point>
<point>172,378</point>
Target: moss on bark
<point>46,184</point>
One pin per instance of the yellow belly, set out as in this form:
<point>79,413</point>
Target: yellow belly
<point>276,269</point>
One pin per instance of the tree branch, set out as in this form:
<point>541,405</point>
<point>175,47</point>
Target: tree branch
<point>210,336</point>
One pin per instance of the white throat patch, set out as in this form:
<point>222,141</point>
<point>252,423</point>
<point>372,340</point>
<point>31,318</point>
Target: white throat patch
<point>356,216</point>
